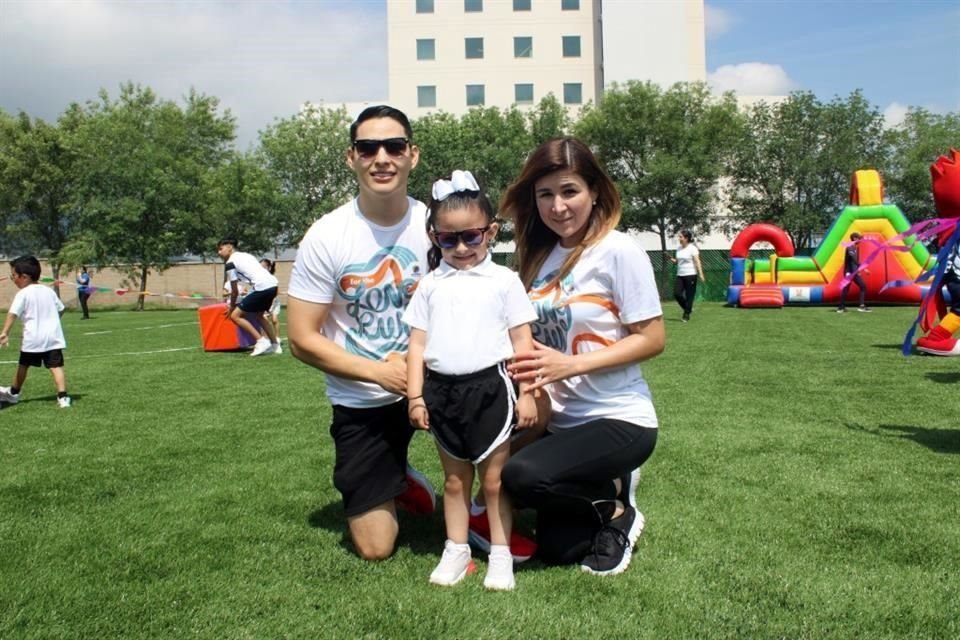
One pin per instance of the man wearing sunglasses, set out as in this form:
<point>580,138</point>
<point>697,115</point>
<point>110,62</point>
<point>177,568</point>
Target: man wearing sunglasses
<point>355,271</point>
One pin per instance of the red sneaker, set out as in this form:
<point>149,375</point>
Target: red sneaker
<point>521,547</point>
<point>939,343</point>
<point>419,498</point>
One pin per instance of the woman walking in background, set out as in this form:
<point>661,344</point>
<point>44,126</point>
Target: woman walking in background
<point>688,270</point>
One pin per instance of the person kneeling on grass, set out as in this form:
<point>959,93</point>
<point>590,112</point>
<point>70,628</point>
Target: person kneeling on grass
<point>246,268</point>
<point>39,309</point>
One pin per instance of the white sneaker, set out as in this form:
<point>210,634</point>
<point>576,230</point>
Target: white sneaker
<point>277,349</point>
<point>9,398</point>
<point>500,569</point>
<point>64,402</point>
<point>262,346</point>
<point>454,564</point>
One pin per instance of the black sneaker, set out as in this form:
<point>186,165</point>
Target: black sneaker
<point>628,488</point>
<point>613,544</point>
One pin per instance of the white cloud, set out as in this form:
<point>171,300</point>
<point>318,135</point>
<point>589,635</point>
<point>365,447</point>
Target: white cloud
<point>894,114</point>
<point>717,21</point>
<point>751,79</point>
<point>262,59</point>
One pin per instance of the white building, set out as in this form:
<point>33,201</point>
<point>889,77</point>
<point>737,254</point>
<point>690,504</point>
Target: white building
<point>451,55</point>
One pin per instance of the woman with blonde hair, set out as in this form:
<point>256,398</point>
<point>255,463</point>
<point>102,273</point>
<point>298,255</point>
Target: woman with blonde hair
<point>599,316</point>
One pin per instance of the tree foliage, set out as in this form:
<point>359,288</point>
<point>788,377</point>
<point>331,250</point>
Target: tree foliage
<point>306,157</point>
<point>914,146</point>
<point>793,165</point>
<point>143,170</point>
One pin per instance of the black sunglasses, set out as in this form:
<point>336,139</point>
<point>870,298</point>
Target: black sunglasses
<point>470,237</point>
<point>369,148</point>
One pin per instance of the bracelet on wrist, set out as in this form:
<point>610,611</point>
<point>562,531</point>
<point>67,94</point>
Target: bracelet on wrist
<point>414,397</point>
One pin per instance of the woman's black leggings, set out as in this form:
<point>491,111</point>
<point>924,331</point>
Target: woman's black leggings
<point>684,291</point>
<point>564,476</point>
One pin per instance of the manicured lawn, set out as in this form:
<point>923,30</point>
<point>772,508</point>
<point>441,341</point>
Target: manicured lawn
<point>806,485</point>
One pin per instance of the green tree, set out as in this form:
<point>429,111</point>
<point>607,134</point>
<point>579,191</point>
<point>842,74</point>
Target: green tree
<point>144,168</point>
<point>244,202</point>
<point>549,119</point>
<point>37,185</point>
<point>914,146</point>
<point>306,155</point>
<point>666,150</point>
<point>794,164</point>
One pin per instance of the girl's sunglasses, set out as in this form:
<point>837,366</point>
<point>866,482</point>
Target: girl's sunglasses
<point>470,237</point>
<point>369,148</point>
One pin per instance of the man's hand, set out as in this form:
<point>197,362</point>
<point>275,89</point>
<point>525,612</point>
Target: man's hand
<point>392,374</point>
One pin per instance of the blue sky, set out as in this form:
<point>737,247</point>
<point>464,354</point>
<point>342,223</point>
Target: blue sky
<point>264,58</point>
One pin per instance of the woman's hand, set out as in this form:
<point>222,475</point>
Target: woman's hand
<point>542,366</point>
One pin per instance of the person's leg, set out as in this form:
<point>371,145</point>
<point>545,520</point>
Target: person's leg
<point>678,289</point>
<point>267,325</point>
<point>458,478</point>
<point>374,532</point>
<point>861,285</point>
<point>20,376</point>
<point>83,304</point>
<point>499,509</point>
<point>238,316</point>
<point>689,293</point>
<point>59,379</point>
<point>843,297</point>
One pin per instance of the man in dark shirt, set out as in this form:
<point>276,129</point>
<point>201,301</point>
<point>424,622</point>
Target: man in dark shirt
<point>851,262</point>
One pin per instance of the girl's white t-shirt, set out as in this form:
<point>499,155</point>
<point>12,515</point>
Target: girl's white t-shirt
<point>366,273</point>
<point>467,315</point>
<point>685,260</point>
<point>38,309</point>
<point>611,285</point>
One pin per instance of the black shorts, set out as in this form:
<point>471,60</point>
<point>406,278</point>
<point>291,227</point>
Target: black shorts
<point>470,415</point>
<point>371,454</point>
<point>258,301</point>
<point>50,359</point>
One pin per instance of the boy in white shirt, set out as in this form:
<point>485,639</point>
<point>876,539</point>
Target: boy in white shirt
<point>39,310</point>
<point>243,267</point>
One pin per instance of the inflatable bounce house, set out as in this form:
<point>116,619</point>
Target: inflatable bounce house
<point>784,278</point>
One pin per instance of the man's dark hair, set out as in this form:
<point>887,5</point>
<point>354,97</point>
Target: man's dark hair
<point>230,241</point>
<point>26,266</point>
<point>381,111</point>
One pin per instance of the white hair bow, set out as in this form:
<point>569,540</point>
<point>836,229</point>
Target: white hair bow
<point>459,181</point>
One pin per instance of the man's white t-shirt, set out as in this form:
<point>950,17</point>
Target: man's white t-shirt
<point>38,309</point>
<point>611,285</point>
<point>243,267</point>
<point>366,273</point>
<point>468,314</point>
<point>685,260</point>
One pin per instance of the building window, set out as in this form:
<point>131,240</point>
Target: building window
<point>424,6</point>
<point>523,47</point>
<point>571,46</point>
<point>521,5</point>
<point>426,49</point>
<point>570,5</point>
<point>572,93</point>
<point>472,6</point>
<point>473,47</point>
<point>523,93</point>
<point>426,96</point>
<point>476,96</point>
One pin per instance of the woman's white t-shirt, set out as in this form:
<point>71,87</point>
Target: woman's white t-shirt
<point>686,265</point>
<point>611,285</point>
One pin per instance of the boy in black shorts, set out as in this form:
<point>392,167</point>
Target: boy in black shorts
<point>38,308</point>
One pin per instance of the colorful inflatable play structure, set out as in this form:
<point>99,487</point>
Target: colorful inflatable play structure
<point>784,278</point>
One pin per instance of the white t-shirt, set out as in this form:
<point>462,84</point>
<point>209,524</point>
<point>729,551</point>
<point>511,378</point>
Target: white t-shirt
<point>468,314</point>
<point>612,284</point>
<point>685,260</point>
<point>243,267</point>
<point>367,274</point>
<point>38,309</point>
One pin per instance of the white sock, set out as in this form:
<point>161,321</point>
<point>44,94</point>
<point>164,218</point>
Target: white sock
<point>499,550</point>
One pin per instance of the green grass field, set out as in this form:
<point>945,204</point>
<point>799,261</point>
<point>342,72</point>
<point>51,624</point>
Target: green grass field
<point>806,485</point>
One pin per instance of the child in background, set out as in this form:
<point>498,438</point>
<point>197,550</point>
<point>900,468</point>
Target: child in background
<point>39,310</point>
<point>273,315</point>
<point>467,317</point>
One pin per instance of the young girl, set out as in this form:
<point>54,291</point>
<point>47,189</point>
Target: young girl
<point>467,317</point>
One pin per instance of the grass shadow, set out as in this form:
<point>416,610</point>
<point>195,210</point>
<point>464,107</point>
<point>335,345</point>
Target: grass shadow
<point>944,377</point>
<point>896,345</point>
<point>938,440</point>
